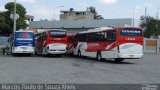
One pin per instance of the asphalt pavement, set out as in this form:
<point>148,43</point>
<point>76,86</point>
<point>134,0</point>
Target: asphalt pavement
<point>69,69</point>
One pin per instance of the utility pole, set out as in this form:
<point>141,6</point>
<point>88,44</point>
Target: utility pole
<point>146,17</point>
<point>14,17</point>
<point>133,18</point>
<point>157,50</point>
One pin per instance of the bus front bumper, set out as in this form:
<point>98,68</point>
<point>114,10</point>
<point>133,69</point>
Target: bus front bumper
<point>56,51</point>
<point>130,56</point>
<point>20,50</point>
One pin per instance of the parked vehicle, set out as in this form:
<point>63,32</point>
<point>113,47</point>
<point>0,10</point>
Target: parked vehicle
<point>22,42</point>
<point>53,42</point>
<point>113,43</point>
<point>71,44</point>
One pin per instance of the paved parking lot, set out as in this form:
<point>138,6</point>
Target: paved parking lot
<point>67,69</point>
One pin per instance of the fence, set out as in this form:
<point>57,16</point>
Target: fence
<point>3,43</point>
<point>3,40</point>
<point>151,45</point>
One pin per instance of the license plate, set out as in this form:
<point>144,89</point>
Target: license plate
<point>24,48</point>
<point>131,56</point>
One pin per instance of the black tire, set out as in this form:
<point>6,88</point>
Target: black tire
<point>29,54</point>
<point>13,54</point>
<point>118,60</point>
<point>59,55</point>
<point>99,56</point>
<point>79,54</point>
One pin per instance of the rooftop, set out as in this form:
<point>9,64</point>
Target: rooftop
<point>81,23</point>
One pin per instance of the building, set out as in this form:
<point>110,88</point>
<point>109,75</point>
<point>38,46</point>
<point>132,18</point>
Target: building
<point>76,15</point>
<point>74,26</point>
<point>29,18</point>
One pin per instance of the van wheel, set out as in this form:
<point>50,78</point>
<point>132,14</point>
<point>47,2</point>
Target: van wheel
<point>99,56</point>
<point>118,60</point>
<point>79,54</point>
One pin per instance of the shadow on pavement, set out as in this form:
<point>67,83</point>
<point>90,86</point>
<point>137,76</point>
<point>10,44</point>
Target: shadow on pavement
<point>111,61</point>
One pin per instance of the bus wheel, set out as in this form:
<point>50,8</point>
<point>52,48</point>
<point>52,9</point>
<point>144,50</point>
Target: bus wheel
<point>79,54</point>
<point>13,54</point>
<point>118,60</point>
<point>99,56</point>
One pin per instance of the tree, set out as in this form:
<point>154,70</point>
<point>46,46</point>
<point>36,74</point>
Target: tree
<point>71,9</point>
<point>2,22</point>
<point>93,10</point>
<point>4,29</point>
<point>150,25</point>
<point>21,23</point>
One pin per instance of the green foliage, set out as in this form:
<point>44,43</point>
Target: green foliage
<point>93,10</point>
<point>2,22</point>
<point>71,9</point>
<point>4,28</point>
<point>150,25</point>
<point>7,25</point>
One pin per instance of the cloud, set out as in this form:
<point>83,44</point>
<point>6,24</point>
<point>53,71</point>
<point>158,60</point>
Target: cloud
<point>2,8</point>
<point>142,6</point>
<point>84,4</point>
<point>26,1</point>
<point>109,2</point>
<point>41,12</point>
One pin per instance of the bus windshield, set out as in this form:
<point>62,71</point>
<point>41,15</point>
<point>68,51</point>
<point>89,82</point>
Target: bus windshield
<point>131,32</point>
<point>58,34</point>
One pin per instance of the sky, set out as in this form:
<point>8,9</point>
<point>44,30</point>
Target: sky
<point>109,9</point>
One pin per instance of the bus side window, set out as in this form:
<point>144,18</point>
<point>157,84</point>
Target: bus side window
<point>90,37</point>
<point>71,39</point>
<point>82,37</point>
<point>111,36</point>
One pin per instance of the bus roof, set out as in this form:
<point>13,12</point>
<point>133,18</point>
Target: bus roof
<point>24,31</point>
<point>50,30</point>
<point>56,29</point>
<point>97,29</point>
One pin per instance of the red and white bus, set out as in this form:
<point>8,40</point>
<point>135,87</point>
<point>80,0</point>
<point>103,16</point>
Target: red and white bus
<point>110,43</point>
<point>71,44</point>
<point>51,42</point>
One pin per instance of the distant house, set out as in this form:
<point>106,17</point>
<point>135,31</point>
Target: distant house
<point>29,18</point>
<point>74,26</point>
<point>76,15</point>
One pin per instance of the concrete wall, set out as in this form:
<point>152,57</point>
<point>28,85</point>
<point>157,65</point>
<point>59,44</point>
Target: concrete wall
<point>77,16</point>
<point>151,45</point>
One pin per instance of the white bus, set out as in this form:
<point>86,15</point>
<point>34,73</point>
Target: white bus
<point>110,43</point>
